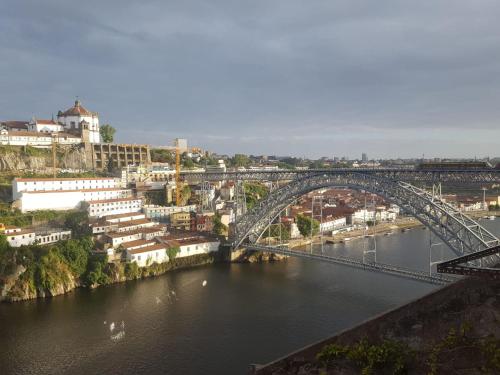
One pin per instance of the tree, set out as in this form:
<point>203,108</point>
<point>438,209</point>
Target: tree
<point>240,160</point>
<point>185,195</point>
<point>304,223</point>
<point>76,253</point>
<point>254,192</point>
<point>275,232</point>
<point>218,227</point>
<point>107,133</point>
<point>162,156</point>
<point>78,222</point>
<point>188,163</point>
<point>172,252</point>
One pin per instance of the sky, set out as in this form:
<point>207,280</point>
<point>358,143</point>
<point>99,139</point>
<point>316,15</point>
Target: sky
<point>277,77</point>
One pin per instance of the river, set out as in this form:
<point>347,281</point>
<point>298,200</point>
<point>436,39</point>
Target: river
<point>208,320</point>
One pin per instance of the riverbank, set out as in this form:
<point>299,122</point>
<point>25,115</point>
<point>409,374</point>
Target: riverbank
<point>453,330</point>
<point>402,224</point>
<point>36,272</point>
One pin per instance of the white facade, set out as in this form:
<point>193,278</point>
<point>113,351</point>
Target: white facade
<point>45,126</point>
<point>332,224</point>
<point>114,206</point>
<point>20,185</point>
<point>75,125</point>
<point>162,212</point>
<point>147,255</point>
<point>65,193</point>
<point>117,238</point>
<point>362,216</point>
<point>41,140</point>
<point>17,237</point>
<point>79,118</point>
<point>197,247</point>
<point>69,199</point>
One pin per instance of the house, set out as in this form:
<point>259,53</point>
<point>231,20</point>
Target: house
<point>17,237</point>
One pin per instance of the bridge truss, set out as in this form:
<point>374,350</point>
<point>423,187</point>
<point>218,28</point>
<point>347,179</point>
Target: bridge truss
<point>461,233</point>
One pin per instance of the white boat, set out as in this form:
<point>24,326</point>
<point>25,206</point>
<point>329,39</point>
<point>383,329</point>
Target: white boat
<point>492,217</point>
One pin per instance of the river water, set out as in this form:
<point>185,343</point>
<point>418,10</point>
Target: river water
<point>208,320</point>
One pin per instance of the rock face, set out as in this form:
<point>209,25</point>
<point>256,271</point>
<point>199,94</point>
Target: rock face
<point>453,330</point>
<point>18,284</point>
<point>244,256</point>
<point>17,158</point>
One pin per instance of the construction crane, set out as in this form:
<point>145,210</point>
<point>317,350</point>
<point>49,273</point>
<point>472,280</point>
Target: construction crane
<point>177,174</point>
<point>54,148</point>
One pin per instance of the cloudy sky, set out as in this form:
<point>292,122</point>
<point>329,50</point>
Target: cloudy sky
<point>289,77</point>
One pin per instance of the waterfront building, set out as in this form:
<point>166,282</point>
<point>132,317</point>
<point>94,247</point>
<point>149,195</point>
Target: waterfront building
<point>109,223</point>
<point>147,255</point>
<point>330,223</point>
<point>115,239</point>
<point>17,237</point>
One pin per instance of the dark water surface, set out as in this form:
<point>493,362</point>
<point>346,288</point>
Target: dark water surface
<point>246,313</point>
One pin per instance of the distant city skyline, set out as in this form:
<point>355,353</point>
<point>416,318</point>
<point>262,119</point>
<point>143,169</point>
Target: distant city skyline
<point>264,77</point>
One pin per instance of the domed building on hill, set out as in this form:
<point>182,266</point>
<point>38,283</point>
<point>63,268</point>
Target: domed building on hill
<point>79,119</point>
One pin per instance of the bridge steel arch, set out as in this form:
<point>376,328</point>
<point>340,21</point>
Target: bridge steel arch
<point>461,233</point>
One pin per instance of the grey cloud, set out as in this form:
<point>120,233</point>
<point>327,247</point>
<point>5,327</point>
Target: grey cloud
<point>276,77</point>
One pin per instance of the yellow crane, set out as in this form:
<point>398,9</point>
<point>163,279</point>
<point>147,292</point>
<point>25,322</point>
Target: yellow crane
<point>54,149</point>
<point>177,174</point>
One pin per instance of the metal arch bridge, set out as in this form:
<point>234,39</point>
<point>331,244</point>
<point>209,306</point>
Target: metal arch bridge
<point>461,233</point>
<point>470,176</point>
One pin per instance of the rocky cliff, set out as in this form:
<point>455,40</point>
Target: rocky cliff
<point>16,158</point>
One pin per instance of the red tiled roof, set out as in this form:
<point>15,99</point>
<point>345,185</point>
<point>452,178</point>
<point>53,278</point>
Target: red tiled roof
<point>77,110</point>
<point>46,122</point>
<point>114,200</point>
<point>15,124</point>
<point>76,190</point>
<point>22,133</point>
<point>62,179</point>
<point>131,223</point>
<point>146,249</point>
<point>119,216</point>
<point>136,243</point>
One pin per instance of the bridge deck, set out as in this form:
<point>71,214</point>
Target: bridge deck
<point>376,267</point>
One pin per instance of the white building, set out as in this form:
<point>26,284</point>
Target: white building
<point>34,194</point>
<point>73,126</point>
<point>220,167</point>
<point>163,212</point>
<point>17,237</point>
<point>78,119</point>
<point>144,253</point>
<point>115,239</point>
<point>147,255</point>
<point>20,185</point>
<point>44,126</point>
<point>332,224</point>
<point>41,140</point>
<point>113,206</point>
<point>364,215</point>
